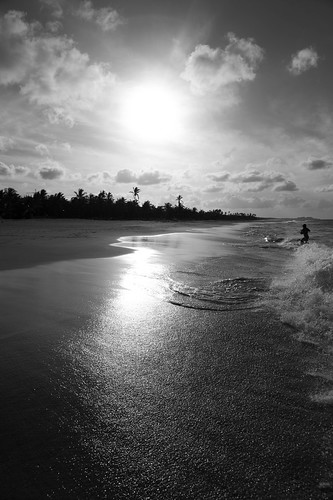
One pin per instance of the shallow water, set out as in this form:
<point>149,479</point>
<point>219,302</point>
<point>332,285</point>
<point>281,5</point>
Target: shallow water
<point>166,372</point>
<point>261,266</point>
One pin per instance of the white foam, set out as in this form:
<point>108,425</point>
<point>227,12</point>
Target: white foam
<point>325,397</point>
<point>303,296</point>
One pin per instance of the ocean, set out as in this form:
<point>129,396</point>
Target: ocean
<point>270,268</point>
<point>264,267</point>
<point>197,366</point>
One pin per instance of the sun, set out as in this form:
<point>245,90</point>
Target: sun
<point>151,112</point>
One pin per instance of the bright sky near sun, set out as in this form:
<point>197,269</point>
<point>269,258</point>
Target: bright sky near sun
<point>226,102</point>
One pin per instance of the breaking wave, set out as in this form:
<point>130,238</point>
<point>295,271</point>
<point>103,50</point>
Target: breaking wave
<point>303,297</point>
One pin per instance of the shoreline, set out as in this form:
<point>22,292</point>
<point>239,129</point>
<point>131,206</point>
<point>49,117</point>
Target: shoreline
<point>32,242</point>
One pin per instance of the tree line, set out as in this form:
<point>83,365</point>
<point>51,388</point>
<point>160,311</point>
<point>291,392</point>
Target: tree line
<point>101,206</point>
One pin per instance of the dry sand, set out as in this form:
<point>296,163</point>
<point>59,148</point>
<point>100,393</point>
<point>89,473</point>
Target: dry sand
<point>26,243</point>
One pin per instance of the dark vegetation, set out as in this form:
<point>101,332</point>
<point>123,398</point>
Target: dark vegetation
<point>101,206</point>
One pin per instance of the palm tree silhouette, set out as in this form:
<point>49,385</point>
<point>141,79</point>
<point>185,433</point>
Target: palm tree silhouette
<point>80,194</point>
<point>135,192</point>
<point>179,199</point>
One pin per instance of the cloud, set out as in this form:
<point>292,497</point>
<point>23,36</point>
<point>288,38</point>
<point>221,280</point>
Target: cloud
<point>99,177</point>
<point>325,189</point>
<point>58,115</point>
<point>302,61</point>
<point>239,203</point>
<point>222,177</point>
<point>42,149</point>
<point>286,186</point>
<point>318,163</point>
<point>257,180</point>
<point>265,178</point>
<point>53,26</point>
<point>64,146</point>
<point>125,175</point>
<point>12,170</point>
<point>5,143</point>
<point>213,189</point>
<point>54,6</point>
<point>5,170</point>
<point>293,201</point>
<point>106,18</point>
<point>49,70</point>
<point>145,178</point>
<point>208,69</point>
<point>19,170</point>
<point>148,178</point>
<point>51,170</point>
<point>249,176</point>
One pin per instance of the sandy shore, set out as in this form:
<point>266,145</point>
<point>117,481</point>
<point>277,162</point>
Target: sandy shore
<point>26,243</point>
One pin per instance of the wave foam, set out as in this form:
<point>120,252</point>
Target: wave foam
<point>303,297</point>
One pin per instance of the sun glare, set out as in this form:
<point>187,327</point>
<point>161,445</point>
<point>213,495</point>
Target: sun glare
<point>152,112</point>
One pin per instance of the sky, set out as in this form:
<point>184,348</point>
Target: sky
<point>227,103</point>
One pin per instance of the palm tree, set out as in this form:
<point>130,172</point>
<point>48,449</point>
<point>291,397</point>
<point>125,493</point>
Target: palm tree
<point>80,194</point>
<point>80,203</point>
<point>179,200</point>
<point>135,192</point>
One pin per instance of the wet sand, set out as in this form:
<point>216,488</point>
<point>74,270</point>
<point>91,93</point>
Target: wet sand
<point>109,391</point>
<point>26,243</point>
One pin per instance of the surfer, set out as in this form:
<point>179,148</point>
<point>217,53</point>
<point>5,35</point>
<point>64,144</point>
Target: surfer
<point>305,231</point>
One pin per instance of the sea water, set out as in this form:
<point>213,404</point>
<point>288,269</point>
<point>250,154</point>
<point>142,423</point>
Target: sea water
<point>262,265</point>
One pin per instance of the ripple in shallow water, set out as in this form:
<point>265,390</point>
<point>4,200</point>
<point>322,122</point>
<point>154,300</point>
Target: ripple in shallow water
<point>226,294</point>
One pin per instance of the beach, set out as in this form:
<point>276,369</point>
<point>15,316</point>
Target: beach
<point>25,243</point>
<point>145,368</point>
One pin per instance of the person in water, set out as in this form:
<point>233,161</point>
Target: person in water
<point>305,231</point>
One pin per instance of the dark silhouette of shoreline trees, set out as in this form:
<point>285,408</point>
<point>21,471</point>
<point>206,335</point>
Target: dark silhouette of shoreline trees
<point>102,206</point>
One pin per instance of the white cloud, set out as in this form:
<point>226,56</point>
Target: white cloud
<point>209,70</point>
<point>145,178</point>
<point>42,149</point>
<point>99,178</point>
<point>50,71</point>
<point>286,186</point>
<point>325,189</point>
<point>241,203</point>
<point>5,143</point>
<point>149,178</point>
<point>318,163</point>
<point>51,170</point>
<point>65,146</point>
<point>213,189</point>
<point>19,170</point>
<point>54,26</point>
<point>59,115</point>
<point>221,177</point>
<point>54,6</point>
<point>85,11</point>
<point>106,18</point>
<point>248,176</point>
<point>11,170</point>
<point>302,61</point>
<point>125,175</point>
<point>5,170</point>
